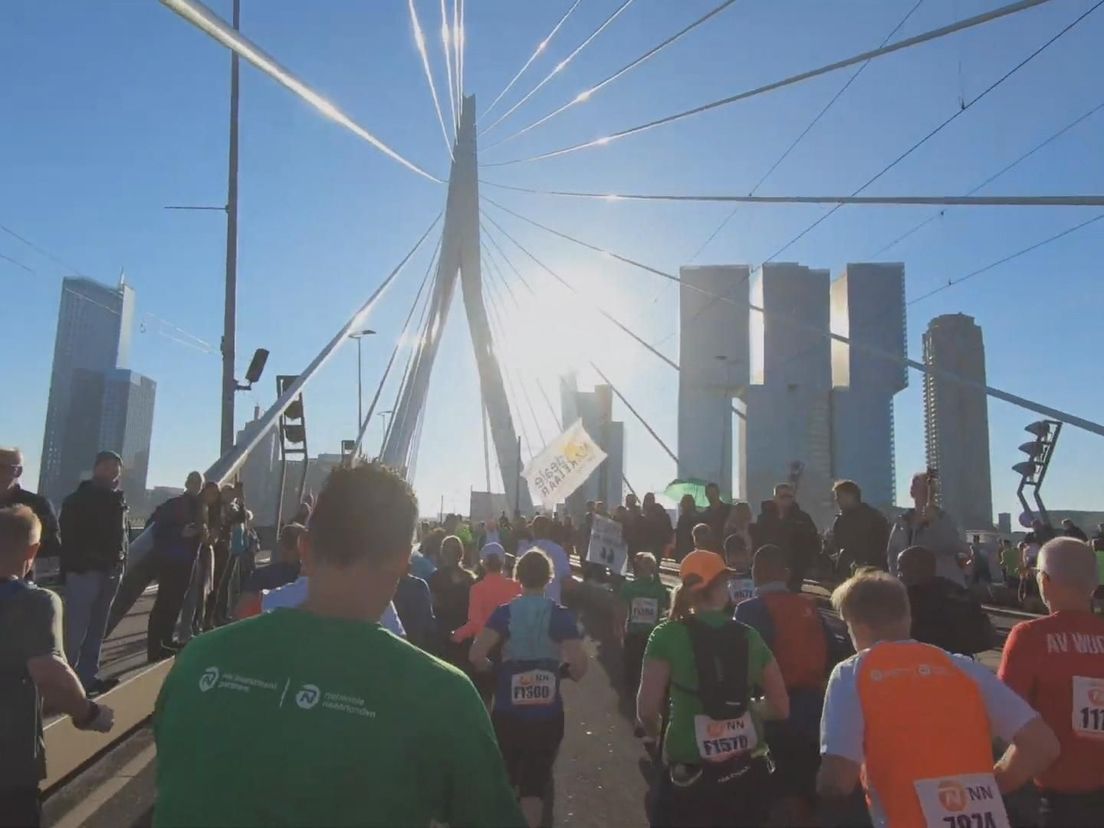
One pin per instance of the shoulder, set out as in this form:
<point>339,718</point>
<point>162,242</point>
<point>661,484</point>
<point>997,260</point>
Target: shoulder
<point>666,635</point>
<point>500,618</point>
<point>40,601</point>
<point>562,624</point>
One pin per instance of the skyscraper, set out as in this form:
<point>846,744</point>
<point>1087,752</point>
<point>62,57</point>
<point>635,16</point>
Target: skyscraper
<point>126,425</point>
<point>786,433</point>
<point>868,307</point>
<point>713,367</point>
<point>595,409</point>
<point>956,419</point>
<point>93,334</point>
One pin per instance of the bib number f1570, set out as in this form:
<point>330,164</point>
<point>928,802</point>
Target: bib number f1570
<point>644,611</point>
<point>721,739</point>
<point>970,800</point>
<point>533,688</point>
<point>1088,707</point>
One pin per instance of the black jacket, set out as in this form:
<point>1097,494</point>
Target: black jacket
<point>51,538</point>
<point>795,533</point>
<point>93,529</point>
<point>948,616</point>
<point>861,536</point>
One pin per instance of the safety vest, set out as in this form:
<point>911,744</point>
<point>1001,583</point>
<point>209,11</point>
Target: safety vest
<point>927,745</point>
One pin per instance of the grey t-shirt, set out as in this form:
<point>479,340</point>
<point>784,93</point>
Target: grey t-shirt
<point>30,626</point>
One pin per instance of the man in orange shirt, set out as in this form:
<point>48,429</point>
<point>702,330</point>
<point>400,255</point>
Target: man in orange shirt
<point>1057,664</point>
<point>488,593</point>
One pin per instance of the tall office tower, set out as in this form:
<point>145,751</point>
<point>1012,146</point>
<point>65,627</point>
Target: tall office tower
<point>93,333</point>
<point>260,472</point>
<point>787,433</point>
<point>713,368</point>
<point>956,419</point>
<point>868,307</point>
<point>595,409</point>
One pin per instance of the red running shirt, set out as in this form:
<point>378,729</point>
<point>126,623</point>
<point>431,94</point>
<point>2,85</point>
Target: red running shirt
<point>1057,664</point>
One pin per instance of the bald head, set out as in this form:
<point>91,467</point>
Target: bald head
<point>916,565</point>
<point>1069,563</point>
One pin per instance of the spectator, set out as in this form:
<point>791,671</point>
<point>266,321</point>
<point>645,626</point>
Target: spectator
<point>929,526</point>
<point>1010,563</point>
<point>740,525</point>
<point>944,613</point>
<point>684,528</point>
<point>585,527</point>
<point>633,530</point>
<point>784,524</point>
<point>561,566</point>
<point>658,531</point>
<point>193,615</point>
<point>93,555</point>
<point>372,730</point>
<point>451,586</point>
<point>33,672</point>
<point>860,532</point>
<point>282,571</point>
<point>423,563</point>
<point>716,514</point>
<point>11,494</point>
<point>1072,530</point>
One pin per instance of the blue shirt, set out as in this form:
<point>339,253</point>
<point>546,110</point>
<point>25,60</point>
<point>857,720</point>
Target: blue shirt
<point>414,604</point>
<point>421,566</point>
<point>532,629</point>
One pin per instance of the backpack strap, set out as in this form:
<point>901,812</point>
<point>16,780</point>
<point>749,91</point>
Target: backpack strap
<point>721,659</point>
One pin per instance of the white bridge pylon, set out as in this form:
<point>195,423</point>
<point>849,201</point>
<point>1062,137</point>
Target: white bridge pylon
<point>459,257</point>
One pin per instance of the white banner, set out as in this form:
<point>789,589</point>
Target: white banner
<point>606,545</point>
<point>563,465</point>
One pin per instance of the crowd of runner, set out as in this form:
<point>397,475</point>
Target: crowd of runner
<point>365,679</point>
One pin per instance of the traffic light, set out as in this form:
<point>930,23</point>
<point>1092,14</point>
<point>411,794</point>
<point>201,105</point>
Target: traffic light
<point>1033,470</point>
<point>293,440</point>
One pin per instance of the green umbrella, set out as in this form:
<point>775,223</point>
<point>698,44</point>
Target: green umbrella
<point>677,489</point>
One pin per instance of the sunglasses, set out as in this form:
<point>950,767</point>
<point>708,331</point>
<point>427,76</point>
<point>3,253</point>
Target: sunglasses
<point>13,468</point>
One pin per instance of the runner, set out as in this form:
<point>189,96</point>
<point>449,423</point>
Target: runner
<point>716,767</point>
<point>797,635</point>
<point>642,602</point>
<point>451,587</point>
<point>741,585</point>
<point>918,723</point>
<point>316,715</point>
<point>284,570</point>
<point>294,595</point>
<point>537,634</point>
<point>1057,664</point>
<point>561,564</point>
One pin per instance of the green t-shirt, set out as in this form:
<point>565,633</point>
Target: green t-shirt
<point>670,642</point>
<point>646,603</point>
<point>1010,560</point>
<point>296,719</point>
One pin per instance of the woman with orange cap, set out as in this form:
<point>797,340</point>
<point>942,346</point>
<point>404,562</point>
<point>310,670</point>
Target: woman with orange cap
<point>708,667</point>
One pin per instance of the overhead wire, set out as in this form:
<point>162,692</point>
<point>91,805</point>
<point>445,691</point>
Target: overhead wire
<point>445,38</point>
<point>808,128</point>
<point>563,64</point>
<point>992,391</point>
<point>420,43</point>
<point>889,48</point>
<point>586,94</point>
<point>222,32</point>
<point>1006,168</point>
<point>456,57</point>
<point>536,52</point>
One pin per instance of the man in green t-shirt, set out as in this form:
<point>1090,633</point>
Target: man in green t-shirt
<point>642,603</point>
<point>319,716</point>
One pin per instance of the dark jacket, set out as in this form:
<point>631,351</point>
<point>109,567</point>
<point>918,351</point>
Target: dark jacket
<point>716,517</point>
<point>94,529</point>
<point>51,537</point>
<point>860,535</point>
<point>684,534</point>
<point>795,533</point>
<point>948,616</point>
<point>657,530</point>
<point>169,521</point>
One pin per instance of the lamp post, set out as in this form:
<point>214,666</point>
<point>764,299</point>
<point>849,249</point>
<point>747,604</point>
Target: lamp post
<point>360,375</point>
<point>725,481</point>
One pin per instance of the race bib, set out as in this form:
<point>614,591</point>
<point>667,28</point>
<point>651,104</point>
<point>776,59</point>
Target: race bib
<point>533,688</point>
<point>741,589</point>
<point>721,739</point>
<point>970,800</point>
<point>644,611</point>
<point>1088,707</point>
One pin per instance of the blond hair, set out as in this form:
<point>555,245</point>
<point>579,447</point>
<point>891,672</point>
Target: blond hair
<point>19,530</point>
<point>873,598</point>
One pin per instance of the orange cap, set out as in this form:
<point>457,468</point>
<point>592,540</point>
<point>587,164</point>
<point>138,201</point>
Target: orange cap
<point>705,565</point>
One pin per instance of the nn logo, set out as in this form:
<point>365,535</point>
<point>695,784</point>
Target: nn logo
<point>954,797</point>
<point>208,679</point>
<point>308,696</point>
<point>1096,696</point>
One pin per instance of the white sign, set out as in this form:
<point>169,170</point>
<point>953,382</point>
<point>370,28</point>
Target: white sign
<point>563,465</point>
<point>606,545</point>
<point>968,800</point>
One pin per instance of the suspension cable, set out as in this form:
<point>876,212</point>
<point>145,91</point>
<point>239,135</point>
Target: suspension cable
<point>934,34</point>
<point>454,107</point>
<point>420,43</point>
<point>561,65</point>
<point>218,29</point>
<point>635,413</point>
<point>540,48</point>
<point>588,93</point>
<point>493,314</point>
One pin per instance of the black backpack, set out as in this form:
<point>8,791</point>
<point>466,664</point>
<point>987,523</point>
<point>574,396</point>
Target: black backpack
<point>721,658</point>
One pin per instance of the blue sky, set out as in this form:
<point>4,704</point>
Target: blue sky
<point>113,110</point>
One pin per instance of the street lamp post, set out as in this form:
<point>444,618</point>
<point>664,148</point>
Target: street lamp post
<point>360,376</point>
<point>726,427</point>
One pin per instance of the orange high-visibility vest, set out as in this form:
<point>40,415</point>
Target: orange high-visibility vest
<point>925,719</point>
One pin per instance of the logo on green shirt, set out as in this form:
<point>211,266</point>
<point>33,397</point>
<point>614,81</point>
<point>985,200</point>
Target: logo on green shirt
<point>208,679</point>
<point>308,696</point>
